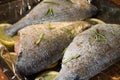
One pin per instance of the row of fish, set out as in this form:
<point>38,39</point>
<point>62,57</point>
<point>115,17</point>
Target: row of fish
<point>58,27</point>
<point>55,11</point>
<point>89,53</point>
<point>68,10</point>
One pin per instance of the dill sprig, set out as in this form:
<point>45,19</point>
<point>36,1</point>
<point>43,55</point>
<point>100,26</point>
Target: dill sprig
<point>99,37</point>
<point>50,11</point>
<point>41,37</point>
<point>113,32</point>
<point>71,58</point>
<point>69,31</point>
<point>51,2</point>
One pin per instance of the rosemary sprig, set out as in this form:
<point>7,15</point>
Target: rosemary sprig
<point>41,37</point>
<point>50,11</point>
<point>51,2</point>
<point>113,32</point>
<point>69,31</point>
<point>71,58</point>
<point>99,37</point>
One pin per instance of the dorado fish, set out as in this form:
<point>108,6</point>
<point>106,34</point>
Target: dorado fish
<point>91,52</point>
<point>55,11</point>
<point>42,45</point>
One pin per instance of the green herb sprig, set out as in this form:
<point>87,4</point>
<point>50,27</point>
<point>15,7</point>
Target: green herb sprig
<point>50,11</point>
<point>71,58</point>
<point>51,2</point>
<point>41,37</point>
<point>69,31</point>
<point>99,37</point>
<point>113,32</point>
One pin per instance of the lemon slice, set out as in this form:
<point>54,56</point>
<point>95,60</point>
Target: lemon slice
<point>4,39</point>
<point>48,75</point>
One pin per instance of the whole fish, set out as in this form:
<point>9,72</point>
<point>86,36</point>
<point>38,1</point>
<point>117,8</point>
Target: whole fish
<point>42,45</point>
<point>55,11</point>
<point>91,52</point>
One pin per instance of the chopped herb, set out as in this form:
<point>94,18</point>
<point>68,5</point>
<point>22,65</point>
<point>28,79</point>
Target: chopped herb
<point>50,27</point>
<point>71,58</point>
<point>113,32</point>
<point>66,29</point>
<point>50,11</point>
<point>69,31</point>
<point>64,51</point>
<point>50,2</point>
<point>99,37</point>
<point>41,37</point>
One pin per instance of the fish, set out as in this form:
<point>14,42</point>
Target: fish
<point>42,45</point>
<point>54,11</point>
<point>91,52</point>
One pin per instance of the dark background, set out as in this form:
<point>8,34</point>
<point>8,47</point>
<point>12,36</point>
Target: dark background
<point>13,10</point>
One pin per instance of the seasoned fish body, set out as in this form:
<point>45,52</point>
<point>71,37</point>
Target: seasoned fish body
<point>41,45</point>
<point>54,11</point>
<point>96,48</point>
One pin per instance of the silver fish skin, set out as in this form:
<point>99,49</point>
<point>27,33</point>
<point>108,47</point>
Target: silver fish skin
<point>56,37</point>
<point>63,11</point>
<point>95,56</point>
